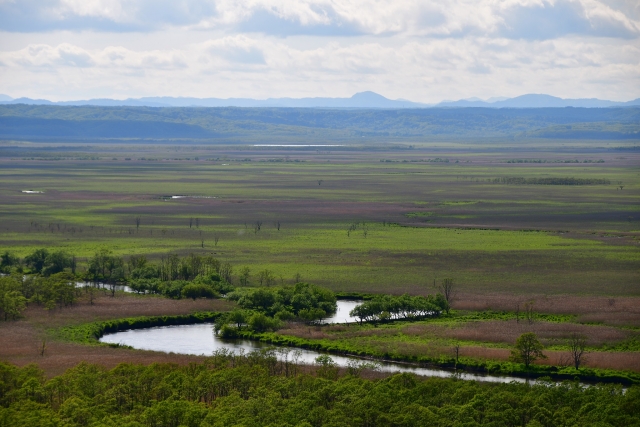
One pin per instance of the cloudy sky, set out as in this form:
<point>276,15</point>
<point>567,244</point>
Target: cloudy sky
<point>421,50</point>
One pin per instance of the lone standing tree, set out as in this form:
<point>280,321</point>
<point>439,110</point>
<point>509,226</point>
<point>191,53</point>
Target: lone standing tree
<point>577,348</point>
<point>448,290</point>
<point>528,349</point>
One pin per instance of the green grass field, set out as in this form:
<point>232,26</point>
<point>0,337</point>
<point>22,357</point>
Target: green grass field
<point>412,221</point>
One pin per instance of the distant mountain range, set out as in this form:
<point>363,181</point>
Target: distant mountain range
<point>538,101</point>
<point>359,100</point>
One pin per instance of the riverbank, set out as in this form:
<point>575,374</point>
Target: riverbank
<point>23,340</point>
<point>58,339</point>
<point>464,364</point>
<point>90,333</point>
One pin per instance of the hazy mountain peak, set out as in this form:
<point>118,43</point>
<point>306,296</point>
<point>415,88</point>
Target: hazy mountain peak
<point>4,97</point>
<point>369,96</point>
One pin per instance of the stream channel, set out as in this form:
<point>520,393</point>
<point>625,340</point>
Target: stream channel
<point>199,339</point>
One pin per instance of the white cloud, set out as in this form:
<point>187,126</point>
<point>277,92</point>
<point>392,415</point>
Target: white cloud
<point>253,66</point>
<point>236,49</point>
<point>424,50</point>
<point>108,9</point>
<point>328,17</point>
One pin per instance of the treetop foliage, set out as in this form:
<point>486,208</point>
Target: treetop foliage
<point>256,389</point>
<point>387,307</point>
<point>301,300</point>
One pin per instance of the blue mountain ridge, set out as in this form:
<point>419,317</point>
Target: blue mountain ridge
<point>366,99</point>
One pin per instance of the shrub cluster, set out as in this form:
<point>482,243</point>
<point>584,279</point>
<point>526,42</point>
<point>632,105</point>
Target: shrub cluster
<point>203,286</point>
<point>305,301</point>
<point>17,290</point>
<point>266,309</point>
<point>387,307</point>
<point>41,261</point>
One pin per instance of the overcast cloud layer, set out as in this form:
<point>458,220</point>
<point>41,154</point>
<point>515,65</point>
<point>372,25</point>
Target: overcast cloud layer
<point>425,51</point>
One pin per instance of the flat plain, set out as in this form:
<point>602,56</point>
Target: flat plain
<point>381,219</point>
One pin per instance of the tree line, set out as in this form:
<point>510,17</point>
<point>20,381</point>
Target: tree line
<point>52,278</point>
<point>384,308</point>
<point>551,181</point>
<point>16,291</point>
<point>257,389</point>
<point>104,266</point>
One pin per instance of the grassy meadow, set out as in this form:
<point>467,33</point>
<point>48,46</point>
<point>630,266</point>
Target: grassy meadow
<point>353,219</point>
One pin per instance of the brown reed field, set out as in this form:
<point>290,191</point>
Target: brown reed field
<point>22,340</point>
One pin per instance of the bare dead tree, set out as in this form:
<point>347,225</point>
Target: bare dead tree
<point>197,222</point>
<point>456,353</point>
<point>257,226</point>
<point>245,273</point>
<point>320,181</point>
<point>297,278</point>
<point>448,290</point>
<point>43,347</point>
<point>277,225</point>
<point>225,271</point>
<point>190,222</point>
<point>518,312</point>
<point>529,314</point>
<point>577,349</point>
<point>138,222</point>
<point>91,290</point>
<point>215,240</point>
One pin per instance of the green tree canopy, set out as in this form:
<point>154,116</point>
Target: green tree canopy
<point>528,349</point>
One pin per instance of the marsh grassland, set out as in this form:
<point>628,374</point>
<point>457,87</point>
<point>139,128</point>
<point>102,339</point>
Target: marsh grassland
<point>553,223</point>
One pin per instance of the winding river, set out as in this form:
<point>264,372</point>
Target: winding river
<point>200,339</point>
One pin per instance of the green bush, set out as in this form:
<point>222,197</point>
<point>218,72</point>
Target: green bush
<point>198,290</point>
<point>301,298</point>
<point>259,322</point>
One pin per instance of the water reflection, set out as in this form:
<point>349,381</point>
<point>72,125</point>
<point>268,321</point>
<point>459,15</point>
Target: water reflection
<point>342,313</point>
<point>200,340</point>
<point>104,286</point>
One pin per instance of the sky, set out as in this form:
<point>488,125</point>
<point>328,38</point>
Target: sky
<point>420,50</point>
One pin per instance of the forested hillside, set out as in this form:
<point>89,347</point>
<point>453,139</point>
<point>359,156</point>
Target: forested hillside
<point>224,124</point>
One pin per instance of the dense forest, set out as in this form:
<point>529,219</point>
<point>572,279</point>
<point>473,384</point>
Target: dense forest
<point>258,390</point>
<point>238,124</point>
